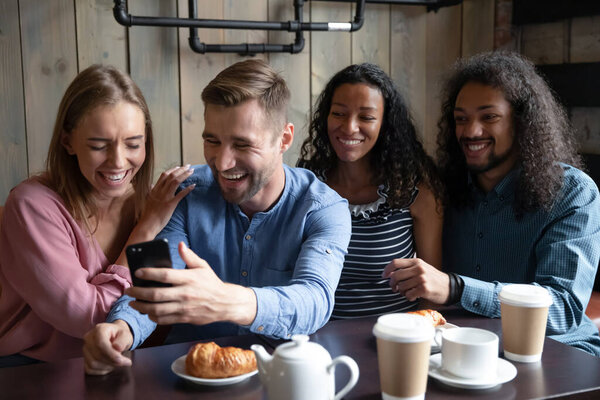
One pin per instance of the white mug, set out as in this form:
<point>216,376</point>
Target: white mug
<point>470,353</point>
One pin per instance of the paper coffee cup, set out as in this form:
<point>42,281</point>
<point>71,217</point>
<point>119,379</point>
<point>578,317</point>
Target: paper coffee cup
<point>403,349</point>
<point>524,310</point>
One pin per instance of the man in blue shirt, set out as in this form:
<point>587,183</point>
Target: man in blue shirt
<point>517,209</point>
<point>272,238</point>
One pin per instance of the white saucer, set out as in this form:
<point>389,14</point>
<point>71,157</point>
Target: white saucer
<point>178,367</point>
<point>505,372</point>
<point>434,347</point>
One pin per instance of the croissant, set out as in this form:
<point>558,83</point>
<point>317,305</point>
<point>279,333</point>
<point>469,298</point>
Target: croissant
<point>433,316</point>
<point>209,360</point>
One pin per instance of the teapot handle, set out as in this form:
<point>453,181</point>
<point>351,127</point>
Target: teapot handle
<point>352,366</point>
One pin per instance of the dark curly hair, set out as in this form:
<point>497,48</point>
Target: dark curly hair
<point>397,158</point>
<point>542,130</point>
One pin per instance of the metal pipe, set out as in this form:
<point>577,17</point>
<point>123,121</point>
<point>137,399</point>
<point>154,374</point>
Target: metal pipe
<point>298,26</point>
<point>124,18</point>
<point>246,48</point>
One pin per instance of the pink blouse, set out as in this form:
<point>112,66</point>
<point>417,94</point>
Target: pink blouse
<point>56,281</point>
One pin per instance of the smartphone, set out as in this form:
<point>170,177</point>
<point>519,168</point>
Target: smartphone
<point>153,254</point>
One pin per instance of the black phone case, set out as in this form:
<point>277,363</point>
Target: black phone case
<point>148,254</point>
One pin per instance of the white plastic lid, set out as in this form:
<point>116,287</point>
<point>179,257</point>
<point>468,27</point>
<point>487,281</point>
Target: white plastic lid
<point>405,328</point>
<point>522,295</point>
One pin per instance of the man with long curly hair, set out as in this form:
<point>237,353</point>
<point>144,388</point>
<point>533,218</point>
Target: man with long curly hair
<point>518,209</point>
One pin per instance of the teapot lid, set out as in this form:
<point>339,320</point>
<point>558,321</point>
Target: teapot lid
<point>300,349</point>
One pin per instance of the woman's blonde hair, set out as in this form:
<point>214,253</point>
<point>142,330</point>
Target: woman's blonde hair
<point>96,86</point>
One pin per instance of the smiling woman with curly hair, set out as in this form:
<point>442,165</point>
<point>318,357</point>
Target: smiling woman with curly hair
<point>363,144</point>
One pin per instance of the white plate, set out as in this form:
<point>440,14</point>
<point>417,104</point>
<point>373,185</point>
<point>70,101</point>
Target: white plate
<point>178,367</point>
<point>505,372</point>
<point>434,347</point>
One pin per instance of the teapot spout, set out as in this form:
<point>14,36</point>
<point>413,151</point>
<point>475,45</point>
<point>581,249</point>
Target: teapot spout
<point>263,359</point>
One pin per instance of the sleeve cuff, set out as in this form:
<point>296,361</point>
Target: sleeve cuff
<point>141,326</point>
<point>267,321</point>
<point>481,297</point>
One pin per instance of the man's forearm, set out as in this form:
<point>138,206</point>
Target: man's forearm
<point>239,304</point>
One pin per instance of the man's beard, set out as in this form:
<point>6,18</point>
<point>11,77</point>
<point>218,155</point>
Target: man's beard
<point>494,160</point>
<point>257,181</point>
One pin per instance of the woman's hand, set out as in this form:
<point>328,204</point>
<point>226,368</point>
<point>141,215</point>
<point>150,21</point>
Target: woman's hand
<point>160,204</point>
<point>162,200</point>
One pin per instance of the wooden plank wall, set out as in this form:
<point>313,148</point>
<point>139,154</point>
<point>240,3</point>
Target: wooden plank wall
<point>44,44</point>
<point>574,40</point>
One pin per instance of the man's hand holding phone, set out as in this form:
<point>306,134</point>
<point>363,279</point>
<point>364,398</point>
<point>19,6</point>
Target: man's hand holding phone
<point>197,295</point>
<point>152,254</point>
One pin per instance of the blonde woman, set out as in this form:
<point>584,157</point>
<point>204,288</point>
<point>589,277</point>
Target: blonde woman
<point>64,231</point>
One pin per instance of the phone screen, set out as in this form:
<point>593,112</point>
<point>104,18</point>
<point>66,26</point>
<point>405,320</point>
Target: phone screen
<point>153,254</point>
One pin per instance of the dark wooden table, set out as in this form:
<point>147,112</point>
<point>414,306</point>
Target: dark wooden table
<point>563,372</point>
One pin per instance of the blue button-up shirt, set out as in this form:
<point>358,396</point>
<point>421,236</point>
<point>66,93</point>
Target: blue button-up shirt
<point>488,247</point>
<point>290,255</point>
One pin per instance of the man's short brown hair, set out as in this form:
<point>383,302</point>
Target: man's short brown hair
<point>247,80</point>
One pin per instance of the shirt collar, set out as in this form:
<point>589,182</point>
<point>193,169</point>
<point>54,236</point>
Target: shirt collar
<point>503,188</point>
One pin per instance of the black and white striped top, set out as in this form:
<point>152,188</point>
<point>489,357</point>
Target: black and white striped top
<point>379,234</point>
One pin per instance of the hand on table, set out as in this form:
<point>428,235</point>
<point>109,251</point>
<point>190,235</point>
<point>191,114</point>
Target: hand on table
<point>197,295</point>
<point>414,278</point>
<point>104,346</point>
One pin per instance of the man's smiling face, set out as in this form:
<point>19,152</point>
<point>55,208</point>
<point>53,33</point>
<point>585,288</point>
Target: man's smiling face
<point>243,151</point>
<point>485,129</point>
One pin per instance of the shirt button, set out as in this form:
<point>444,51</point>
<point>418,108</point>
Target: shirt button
<point>485,203</point>
<point>476,304</point>
<point>480,235</point>
<point>501,198</point>
<point>244,273</point>
<point>328,251</point>
<point>478,267</point>
<point>248,237</point>
<point>260,328</point>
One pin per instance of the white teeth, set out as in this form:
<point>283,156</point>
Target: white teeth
<point>115,178</point>
<point>475,147</point>
<point>231,176</point>
<point>350,142</point>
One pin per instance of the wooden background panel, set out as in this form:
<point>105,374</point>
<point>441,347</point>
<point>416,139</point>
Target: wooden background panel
<point>49,65</point>
<point>585,39</point>
<point>13,143</point>
<point>154,67</point>
<point>252,10</point>
<point>372,42</point>
<point>544,43</point>
<point>295,68</point>
<point>408,58</point>
<point>477,26</point>
<point>443,49</point>
<point>196,71</point>
<point>100,39</point>
<point>330,51</point>
<point>586,123</point>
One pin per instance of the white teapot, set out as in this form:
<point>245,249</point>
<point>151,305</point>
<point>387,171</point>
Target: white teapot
<point>302,370</point>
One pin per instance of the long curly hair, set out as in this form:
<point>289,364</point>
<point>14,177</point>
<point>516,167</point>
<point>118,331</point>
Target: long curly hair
<point>397,158</point>
<point>543,134</point>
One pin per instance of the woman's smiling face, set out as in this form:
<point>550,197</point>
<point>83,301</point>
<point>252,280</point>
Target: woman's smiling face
<point>354,120</point>
<point>109,143</point>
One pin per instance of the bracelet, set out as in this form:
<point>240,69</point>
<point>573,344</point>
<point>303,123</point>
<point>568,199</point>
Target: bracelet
<point>456,288</point>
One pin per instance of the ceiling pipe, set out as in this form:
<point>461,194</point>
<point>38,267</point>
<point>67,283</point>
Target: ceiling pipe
<point>298,26</point>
